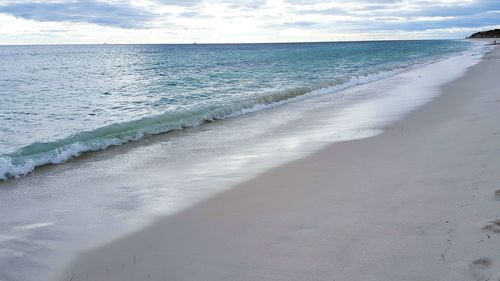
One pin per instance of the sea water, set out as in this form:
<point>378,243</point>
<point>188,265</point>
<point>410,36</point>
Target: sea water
<point>57,102</point>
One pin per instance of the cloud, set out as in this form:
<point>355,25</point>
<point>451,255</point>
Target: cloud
<point>194,15</point>
<point>249,5</point>
<point>390,15</point>
<point>299,24</point>
<point>182,3</point>
<point>173,21</point>
<point>120,15</point>
<point>189,14</point>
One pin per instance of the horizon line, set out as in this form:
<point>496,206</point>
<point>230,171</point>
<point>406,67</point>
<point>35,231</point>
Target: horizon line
<point>234,43</point>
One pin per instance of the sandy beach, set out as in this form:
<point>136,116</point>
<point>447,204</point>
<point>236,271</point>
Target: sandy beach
<point>417,202</point>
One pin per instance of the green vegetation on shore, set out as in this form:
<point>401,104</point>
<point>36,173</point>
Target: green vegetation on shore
<point>495,33</point>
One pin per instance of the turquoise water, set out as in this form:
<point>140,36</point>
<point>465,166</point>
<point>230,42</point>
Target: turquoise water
<point>60,101</point>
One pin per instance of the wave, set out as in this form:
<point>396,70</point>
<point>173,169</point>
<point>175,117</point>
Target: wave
<point>26,159</point>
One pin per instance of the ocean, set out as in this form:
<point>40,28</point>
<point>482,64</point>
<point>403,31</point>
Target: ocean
<point>144,131</point>
<point>61,101</point>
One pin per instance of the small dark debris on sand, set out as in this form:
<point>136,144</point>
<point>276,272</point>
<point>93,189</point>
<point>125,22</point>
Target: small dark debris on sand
<point>494,226</point>
<point>478,268</point>
<point>482,262</point>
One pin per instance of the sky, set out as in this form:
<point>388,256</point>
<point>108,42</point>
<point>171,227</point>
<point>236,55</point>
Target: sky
<point>239,21</point>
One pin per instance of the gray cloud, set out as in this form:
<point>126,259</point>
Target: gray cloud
<point>244,4</point>
<point>101,13</point>
<point>420,15</point>
<point>346,16</point>
<point>181,3</point>
<point>395,8</point>
<point>194,15</point>
<point>299,24</point>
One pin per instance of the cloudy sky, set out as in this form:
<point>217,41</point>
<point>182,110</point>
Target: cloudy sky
<point>214,21</point>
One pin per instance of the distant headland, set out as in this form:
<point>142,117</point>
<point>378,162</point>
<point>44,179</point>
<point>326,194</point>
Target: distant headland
<point>495,33</point>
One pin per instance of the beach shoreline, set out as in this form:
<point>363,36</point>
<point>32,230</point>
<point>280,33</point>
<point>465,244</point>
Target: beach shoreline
<point>103,196</point>
<point>416,202</point>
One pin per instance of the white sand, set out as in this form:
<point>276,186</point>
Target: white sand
<point>414,203</point>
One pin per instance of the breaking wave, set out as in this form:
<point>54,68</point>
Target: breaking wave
<point>26,159</point>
